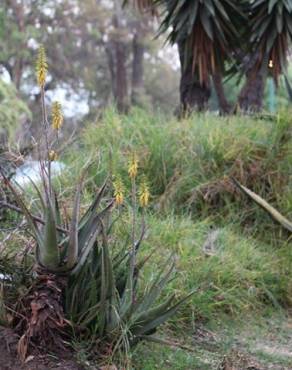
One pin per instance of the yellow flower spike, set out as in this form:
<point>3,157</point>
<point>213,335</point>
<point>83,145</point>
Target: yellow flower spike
<point>119,191</point>
<point>41,67</point>
<point>53,156</point>
<point>57,116</point>
<point>133,166</point>
<point>144,194</point>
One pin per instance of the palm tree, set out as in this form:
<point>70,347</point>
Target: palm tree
<point>206,35</point>
<point>268,35</point>
<point>210,33</point>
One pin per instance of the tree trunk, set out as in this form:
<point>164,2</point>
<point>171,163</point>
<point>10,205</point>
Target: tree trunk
<point>252,94</point>
<point>193,95</point>
<point>18,9</point>
<point>121,94</point>
<point>138,69</point>
<point>224,105</point>
<point>121,88</point>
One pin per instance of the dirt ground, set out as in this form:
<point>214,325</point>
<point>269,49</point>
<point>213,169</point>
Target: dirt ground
<point>9,359</point>
<point>252,347</point>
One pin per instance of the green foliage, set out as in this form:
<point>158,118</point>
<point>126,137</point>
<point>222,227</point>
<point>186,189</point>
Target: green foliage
<point>102,293</point>
<point>240,274</point>
<point>106,298</point>
<point>12,111</point>
<point>60,250</point>
<point>189,163</point>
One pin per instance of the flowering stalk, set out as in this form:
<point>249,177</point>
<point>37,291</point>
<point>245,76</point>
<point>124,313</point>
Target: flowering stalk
<point>41,74</point>
<point>119,191</point>
<point>133,171</point>
<point>57,117</point>
<point>144,196</point>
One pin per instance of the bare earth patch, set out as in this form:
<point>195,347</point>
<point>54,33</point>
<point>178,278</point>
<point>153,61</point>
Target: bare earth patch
<point>253,348</point>
<point>9,359</point>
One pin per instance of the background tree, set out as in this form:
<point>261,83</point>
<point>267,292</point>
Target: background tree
<point>210,34</point>
<point>97,54</point>
<point>269,34</point>
<point>206,35</point>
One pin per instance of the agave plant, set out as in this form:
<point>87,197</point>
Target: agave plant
<point>79,282</point>
<point>59,254</point>
<point>276,215</point>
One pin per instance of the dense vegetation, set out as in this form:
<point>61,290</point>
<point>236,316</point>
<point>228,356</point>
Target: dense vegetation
<point>226,248</point>
<point>152,228</point>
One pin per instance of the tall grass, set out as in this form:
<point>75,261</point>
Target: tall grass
<point>241,275</point>
<point>189,162</point>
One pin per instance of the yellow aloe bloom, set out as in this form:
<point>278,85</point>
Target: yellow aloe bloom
<point>133,166</point>
<point>144,194</point>
<point>53,156</point>
<point>41,67</point>
<point>119,191</point>
<point>57,116</point>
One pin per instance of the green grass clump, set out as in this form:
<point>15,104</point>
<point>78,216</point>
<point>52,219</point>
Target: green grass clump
<point>239,276</point>
<point>189,162</point>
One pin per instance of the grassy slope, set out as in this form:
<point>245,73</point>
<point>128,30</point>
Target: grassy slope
<point>188,164</point>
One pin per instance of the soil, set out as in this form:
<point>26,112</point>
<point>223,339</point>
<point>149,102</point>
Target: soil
<point>9,359</point>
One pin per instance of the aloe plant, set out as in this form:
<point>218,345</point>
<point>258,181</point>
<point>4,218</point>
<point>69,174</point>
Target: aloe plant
<point>276,215</point>
<point>79,282</point>
<point>111,306</point>
<point>101,289</point>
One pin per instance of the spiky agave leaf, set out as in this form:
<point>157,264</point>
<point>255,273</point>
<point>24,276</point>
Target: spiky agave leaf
<point>271,34</point>
<point>30,220</point>
<point>89,217</point>
<point>277,216</point>
<point>108,316</point>
<point>72,248</point>
<point>49,255</point>
<point>88,240</point>
<point>157,287</point>
<point>156,316</point>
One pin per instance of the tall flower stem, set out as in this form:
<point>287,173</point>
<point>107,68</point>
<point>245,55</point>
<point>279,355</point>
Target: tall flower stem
<point>46,134</point>
<point>134,220</point>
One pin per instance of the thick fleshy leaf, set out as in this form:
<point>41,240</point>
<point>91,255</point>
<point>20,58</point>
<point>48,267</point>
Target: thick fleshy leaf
<point>159,284</point>
<point>26,212</point>
<point>72,250</point>
<point>85,224</point>
<point>108,317</point>
<point>49,254</point>
<point>159,318</point>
